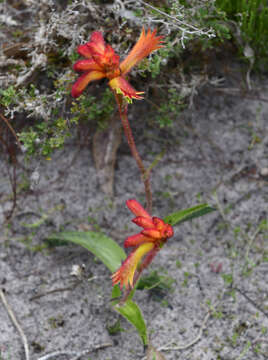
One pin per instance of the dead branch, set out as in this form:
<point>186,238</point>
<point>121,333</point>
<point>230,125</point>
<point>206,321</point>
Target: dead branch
<point>191,343</point>
<point>76,354</point>
<point>16,324</point>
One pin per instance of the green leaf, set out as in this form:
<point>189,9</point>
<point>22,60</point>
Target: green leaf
<point>116,292</point>
<point>188,214</point>
<point>133,314</point>
<point>103,247</point>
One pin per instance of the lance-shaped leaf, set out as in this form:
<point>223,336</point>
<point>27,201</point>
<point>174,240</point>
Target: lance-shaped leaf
<point>133,314</point>
<point>103,247</point>
<point>188,214</point>
<point>112,255</point>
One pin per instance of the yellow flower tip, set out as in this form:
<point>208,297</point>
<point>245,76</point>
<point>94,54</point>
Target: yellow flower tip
<point>125,274</point>
<point>121,86</point>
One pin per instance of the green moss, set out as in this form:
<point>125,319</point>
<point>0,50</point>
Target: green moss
<point>8,96</point>
<point>56,322</point>
<point>115,328</point>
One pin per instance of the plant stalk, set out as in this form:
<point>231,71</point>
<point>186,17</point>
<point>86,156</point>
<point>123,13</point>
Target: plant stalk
<point>145,174</point>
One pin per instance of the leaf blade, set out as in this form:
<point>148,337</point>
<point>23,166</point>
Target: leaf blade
<point>131,311</point>
<point>102,246</point>
<point>180,216</point>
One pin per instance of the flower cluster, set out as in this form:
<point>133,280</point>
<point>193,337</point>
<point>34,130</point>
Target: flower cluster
<point>148,242</point>
<point>101,61</point>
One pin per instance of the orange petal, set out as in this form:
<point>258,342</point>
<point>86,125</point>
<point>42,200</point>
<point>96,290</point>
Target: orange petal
<point>159,223</point>
<point>121,86</point>
<point>137,209</point>
<point>136,240</point>
<point>144,46</point>
<point>84,50</point>
<point>143,222</point>
<point>96,43</point>
<point>167,232</point>
<point>111,57</point>
<point>125,274</point>
<point>86,65</point>
<point>152,233</point>
<point>81,83</point>
<point>108,61</point>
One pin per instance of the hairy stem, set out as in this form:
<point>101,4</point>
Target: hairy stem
<point>128,132</point>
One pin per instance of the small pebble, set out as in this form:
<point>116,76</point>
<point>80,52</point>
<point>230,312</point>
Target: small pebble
<point>264,171</point>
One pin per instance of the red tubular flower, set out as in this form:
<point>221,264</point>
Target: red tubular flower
<point>148,242</point>
<point>102,62</point>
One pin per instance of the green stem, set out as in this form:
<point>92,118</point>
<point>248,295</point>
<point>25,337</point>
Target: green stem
<point>128,132</point>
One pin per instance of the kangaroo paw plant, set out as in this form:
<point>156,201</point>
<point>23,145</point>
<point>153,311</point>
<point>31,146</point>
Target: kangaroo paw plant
<point>147,243</point>
<point>100,61</point>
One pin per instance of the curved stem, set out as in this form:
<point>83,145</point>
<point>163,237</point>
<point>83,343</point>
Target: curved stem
<point>128,132</point>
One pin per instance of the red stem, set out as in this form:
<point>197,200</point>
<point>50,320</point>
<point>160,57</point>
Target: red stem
<point>128,132</point>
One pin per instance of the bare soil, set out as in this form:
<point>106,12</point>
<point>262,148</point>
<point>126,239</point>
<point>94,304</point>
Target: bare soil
<point>217,308</point>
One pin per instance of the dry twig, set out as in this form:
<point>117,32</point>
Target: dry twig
<point>68,288</point>
<point>76,354</point>
<point>252,302</point>
<point>184,27</point>
<point>16,324</point>
<point>191,343</point>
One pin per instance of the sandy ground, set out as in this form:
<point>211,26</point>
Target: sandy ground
<point>217,307</point>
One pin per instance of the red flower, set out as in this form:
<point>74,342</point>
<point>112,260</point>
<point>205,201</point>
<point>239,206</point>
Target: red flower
<point>148,242</point>
<point>102,62</point>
